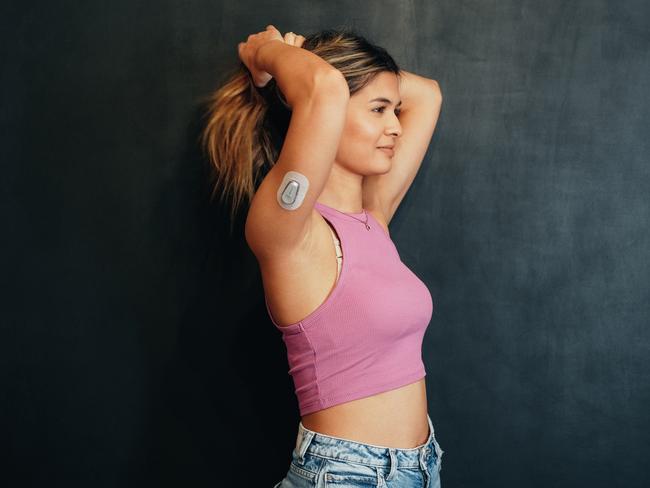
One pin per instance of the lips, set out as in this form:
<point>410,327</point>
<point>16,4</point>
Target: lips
<point>387,149</point>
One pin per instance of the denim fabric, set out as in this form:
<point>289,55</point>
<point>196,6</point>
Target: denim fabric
<point>322,461</point>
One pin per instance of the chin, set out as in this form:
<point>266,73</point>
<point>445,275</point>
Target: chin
<point>378,167</point>
<point>377,172</point>
<point>384,168</point>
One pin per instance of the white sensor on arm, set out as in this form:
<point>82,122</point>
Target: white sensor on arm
<point>292,191</point>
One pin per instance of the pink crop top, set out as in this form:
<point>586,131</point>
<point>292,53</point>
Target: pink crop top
<point>366,337</point>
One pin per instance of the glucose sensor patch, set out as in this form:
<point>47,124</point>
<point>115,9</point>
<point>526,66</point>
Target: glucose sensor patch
<point>292,191</point>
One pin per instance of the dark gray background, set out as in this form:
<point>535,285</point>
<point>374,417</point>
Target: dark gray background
<point>135,348</point>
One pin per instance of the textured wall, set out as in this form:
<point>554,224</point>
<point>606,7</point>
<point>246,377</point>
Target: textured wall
<point>135,346</point>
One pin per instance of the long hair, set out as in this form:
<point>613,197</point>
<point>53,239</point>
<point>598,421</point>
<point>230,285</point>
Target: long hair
<point>246,125</point>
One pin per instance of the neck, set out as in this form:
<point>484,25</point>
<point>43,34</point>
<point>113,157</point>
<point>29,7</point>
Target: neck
<point>343,191</point>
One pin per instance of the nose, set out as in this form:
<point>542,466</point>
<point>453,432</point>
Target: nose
<point>395,129</point>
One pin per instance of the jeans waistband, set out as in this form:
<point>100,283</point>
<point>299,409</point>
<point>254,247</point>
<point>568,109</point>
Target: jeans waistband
<point>309,441</point>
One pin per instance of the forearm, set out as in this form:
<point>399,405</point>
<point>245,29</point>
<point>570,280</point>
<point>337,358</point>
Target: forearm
<point>414,89</point>
<point>297,71</point>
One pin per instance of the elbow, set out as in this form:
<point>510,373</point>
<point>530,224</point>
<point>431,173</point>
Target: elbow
<point>324,83</point>
<point>436,89</point>
<point>331,82</point>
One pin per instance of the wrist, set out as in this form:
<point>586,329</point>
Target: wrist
<point>264,55</point>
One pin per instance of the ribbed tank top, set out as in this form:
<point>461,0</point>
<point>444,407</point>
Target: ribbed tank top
<point>366,337</point>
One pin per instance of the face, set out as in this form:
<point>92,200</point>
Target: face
<point>369,124</point>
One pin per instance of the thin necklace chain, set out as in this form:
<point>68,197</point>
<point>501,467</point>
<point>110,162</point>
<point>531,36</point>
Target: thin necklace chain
<point>366,221</point>
<point>362,221</point>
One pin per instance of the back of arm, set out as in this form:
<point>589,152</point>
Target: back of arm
<point>310,147</point>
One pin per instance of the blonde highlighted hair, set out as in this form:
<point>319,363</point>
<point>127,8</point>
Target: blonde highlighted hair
<point>246,125</point>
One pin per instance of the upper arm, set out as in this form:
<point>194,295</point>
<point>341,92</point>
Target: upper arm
<point>309,148</point>
<point>386,191</point>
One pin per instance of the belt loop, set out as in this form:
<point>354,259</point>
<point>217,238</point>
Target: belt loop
<point>436,446</point>
<point>423,465</point>
<point>425,450</point>
<point>439,452</point>
<point>306,439</point>
<point>393,463</point>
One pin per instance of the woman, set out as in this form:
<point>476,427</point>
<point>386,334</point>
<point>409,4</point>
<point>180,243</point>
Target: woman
<point>354,129</point>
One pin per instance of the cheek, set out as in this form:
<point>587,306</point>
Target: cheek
<point>364,135</point>
<point>358,145</point>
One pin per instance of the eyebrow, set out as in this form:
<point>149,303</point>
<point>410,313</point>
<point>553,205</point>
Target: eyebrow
<point>385,100</point>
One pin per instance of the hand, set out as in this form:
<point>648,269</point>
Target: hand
<point>248,51</point>
<point>294,39</point>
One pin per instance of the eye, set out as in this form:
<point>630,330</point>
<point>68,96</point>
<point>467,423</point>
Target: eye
<point>397,110</point>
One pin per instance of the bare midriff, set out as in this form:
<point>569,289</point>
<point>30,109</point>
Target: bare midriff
<point>395,418</point>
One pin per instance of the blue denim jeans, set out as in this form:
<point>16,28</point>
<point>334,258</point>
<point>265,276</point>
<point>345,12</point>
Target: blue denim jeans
<point>321,461</point>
